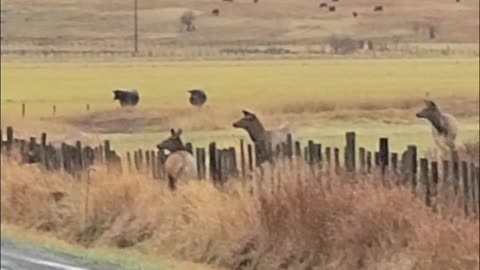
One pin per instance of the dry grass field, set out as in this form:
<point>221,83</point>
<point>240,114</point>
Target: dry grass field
<point>90,25</point>
<point>290,223</point>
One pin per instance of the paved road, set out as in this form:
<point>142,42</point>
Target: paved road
<point>21,257</point>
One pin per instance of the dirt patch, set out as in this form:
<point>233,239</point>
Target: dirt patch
<point>133,120</point>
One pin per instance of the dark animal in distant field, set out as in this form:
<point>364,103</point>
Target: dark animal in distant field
<point>261,137</point>
<point>216,12</point>
<point>322,5</point>
<point>354,14</point>
<point>126,98</point>
<point>331,9</point>
<point>334,0</point>
<point>255,1</point>
<point>180,165</point>
<point>444,126</point>
<point>227,0</point>
<point>378,8</point>
<point>458,1</point>
<point>197,97</point>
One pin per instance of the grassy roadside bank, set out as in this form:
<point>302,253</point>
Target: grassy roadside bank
<point>126,260</point>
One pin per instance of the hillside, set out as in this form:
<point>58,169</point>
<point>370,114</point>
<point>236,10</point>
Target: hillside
<point>108,25</point>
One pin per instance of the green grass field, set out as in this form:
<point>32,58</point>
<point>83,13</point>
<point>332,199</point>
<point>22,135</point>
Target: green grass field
<point>258,85</point>
<point>245,83</point>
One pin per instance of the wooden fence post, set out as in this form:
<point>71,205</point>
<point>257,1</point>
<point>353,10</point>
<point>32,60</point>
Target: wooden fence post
<point>200,152</point>
<point>147,162</point>
<point>212,155</point>
<point>153,164</point>
<point>477,188</point>
<point>65,158</point>
<point>336,154</point>
<point>394,162</point>
<point>319,154</point>
<point>350,152</point>
<point>445,173</point>
<point>424,180</point>
<point>434,179</point>
<point>101,156</point>
<point>140,160</point>
<point>233,160</point>
<point>466,187</point>
<point>242,158</point>
<point>129,162</point>
<point>23,110</point>
<point>311,152</point>
<point>369,162</point>
<point>79,156</point>
<point>219,164</point>
<point>43,139</point>
<point>361,154</point>
<point>9,140</point>
<point>384,155</point>
<point>298,149</point>
<point>136,161</point>
<point>473,188</point>
<point>106,148</point>
<point>54,110</point>
<point>411,166</point>
<point>250,157</point>
<point>198,160</point>
<point>377,159</point>
<point>31,149</point>
<point>203,164</point>
<point>289,146</point>
<point>456,172</point>
<point>328,159</point>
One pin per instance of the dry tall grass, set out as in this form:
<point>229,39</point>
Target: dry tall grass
<point>293,221</point>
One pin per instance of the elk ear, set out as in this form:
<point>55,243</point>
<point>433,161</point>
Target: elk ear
<point>430,103</point>
<point>179,132</point>
<point>172,132</point>
<point>248,114</point>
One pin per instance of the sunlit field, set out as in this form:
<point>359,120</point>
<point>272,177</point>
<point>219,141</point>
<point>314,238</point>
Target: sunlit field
<point>319,99</point>
<point>161,84</point>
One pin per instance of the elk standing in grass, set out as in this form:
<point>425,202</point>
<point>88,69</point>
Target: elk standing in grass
<point>261,137</point>
<point>444,126</point>
<point>180,165</point>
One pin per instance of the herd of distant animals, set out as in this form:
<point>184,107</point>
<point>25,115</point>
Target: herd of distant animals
<point>180,164</point>
<point>323,5</point>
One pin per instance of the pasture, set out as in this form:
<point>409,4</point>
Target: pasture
<point>322,68</point>
<point>321,99</point>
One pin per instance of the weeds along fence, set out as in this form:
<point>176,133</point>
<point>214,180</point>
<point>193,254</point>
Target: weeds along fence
<point>425,177</point>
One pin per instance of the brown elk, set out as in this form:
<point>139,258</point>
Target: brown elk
<point>180,165</point>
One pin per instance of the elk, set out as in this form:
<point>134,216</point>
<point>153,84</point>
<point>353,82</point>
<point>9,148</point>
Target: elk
<point>261,137</point>
<point>180,165</point>
<point>444,126</point>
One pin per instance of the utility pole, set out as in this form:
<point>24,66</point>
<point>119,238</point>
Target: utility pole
<point>135,25</point>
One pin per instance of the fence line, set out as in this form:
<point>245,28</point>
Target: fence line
<point>220,165</point>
